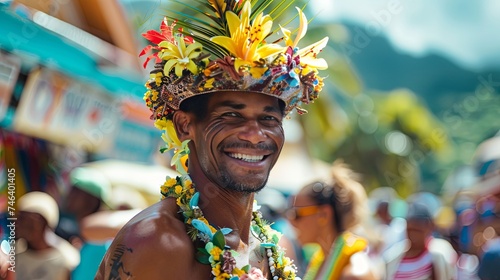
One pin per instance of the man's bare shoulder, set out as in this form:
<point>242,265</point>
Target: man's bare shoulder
<point>152,241</point>
<point>154,224</point>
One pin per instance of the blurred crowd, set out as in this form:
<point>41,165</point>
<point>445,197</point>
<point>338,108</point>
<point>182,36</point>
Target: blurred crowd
<point>345,233</point>
<point>66,236</point>
<point>332,228</point>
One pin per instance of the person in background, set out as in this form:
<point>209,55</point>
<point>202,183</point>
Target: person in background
<point>390,230</point>
<point>382,212</point>
<point>90,190</point>
<point>420,256</point>
<point>328,214</point>
<point>89,194</point>
<point>45,255</point>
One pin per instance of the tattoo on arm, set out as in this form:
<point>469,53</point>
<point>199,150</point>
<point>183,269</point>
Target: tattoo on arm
<point>117,263</point>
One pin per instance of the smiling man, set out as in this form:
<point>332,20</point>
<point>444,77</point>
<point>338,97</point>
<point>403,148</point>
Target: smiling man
<point>239,141</point>
<point>221,105</point>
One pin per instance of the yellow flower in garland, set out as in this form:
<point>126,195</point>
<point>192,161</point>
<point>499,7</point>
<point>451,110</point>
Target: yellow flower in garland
<point>247,40</point>
<point>238,271</point>
<point>216,270</point>
<point>178,189</point>
<point>212,229</point>
<point>222,276</point>
<point>169,186</point>
<point>170,182</point>
<point>164,189</point>
<point>215,253</point>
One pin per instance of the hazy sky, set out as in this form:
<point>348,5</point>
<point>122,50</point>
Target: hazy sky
<point>465,31</point>
<point>468,32</point>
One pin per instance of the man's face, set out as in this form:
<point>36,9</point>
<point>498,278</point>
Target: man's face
<point>239,141</point>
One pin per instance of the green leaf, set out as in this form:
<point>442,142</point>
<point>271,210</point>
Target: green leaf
<point>203,256</point>
<point>275,238</point>
<point>219,240</point>
<point>203,251</point>
<point>256,229</point>
<point>188,213</point>
<point>246,268</point>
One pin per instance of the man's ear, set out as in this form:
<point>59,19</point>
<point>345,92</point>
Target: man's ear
<point>183,125</point>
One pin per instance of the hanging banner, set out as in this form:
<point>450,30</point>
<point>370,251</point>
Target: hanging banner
<point>9,71</point>
<point>62,110</point>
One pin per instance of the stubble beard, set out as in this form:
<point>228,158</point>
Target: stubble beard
<point>229,183</point>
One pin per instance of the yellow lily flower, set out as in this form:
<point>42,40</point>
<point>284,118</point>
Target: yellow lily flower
<point>300,33</point>
<point>181,149</point>
<point>180,56</point>
<point>161,124</point>
<point>247,40</point>
<point>170,136</point>
<point>308,54</point>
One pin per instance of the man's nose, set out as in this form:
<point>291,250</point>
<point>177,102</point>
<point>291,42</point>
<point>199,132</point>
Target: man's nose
<point>252,132</point>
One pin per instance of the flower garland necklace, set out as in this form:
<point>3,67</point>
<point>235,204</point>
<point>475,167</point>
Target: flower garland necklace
<point>216,252</point>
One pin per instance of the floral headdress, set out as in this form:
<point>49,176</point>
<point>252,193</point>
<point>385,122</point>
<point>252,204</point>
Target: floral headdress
<point>224,48</point>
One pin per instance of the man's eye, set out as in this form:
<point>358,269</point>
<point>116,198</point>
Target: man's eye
<point>271,118</point>
<point>230,114</point>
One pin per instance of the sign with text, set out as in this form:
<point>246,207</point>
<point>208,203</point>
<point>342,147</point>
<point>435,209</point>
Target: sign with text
<point>62,110</point>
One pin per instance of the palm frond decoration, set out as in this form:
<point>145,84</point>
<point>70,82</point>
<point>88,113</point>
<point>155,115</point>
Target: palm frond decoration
<point>204,19</point>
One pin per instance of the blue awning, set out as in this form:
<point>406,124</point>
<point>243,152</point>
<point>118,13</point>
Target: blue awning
<point>24,37</point>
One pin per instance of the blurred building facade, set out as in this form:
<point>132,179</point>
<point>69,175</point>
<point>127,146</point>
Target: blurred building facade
<point>71,88</point>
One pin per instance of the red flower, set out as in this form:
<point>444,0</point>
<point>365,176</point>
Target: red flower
<point>155,37</point>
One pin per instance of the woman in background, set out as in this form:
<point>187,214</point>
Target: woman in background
<point>331,214</point>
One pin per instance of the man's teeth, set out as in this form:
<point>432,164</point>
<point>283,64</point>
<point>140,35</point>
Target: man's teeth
<point>248,158</point>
